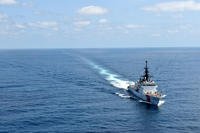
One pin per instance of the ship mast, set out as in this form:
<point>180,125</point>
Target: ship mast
<point>146,76</point>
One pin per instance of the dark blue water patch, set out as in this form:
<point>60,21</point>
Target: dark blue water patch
<point>58,91</point>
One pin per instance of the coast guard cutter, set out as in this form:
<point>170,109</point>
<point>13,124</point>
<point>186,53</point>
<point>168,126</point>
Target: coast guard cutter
<point>146,89</point>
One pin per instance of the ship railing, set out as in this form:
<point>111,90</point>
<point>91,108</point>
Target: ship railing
<point>148,83</point>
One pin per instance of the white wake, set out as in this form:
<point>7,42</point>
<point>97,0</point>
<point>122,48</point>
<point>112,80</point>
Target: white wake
<point>122,95</point>
<point>114,79</point>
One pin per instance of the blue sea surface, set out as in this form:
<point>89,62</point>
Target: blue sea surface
<point>83,90</point>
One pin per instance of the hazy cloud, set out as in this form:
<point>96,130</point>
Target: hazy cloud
<point>82,23</point>
<point>133,26</point>
<point>20,26</point>
<point>156,35</point>
<point>174,6</point>
<point>7,2</point>
<point>44,25</point>
<point>173,31</point>
<point>93,10</point>
<point>103,21</point>
<point>3,17</point>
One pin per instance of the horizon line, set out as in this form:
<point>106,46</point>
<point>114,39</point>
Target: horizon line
<point>99,48</point>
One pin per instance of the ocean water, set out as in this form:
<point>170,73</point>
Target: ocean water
<point>84,90</point>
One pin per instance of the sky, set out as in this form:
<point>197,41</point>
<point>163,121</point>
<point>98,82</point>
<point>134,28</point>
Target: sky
<point>28,24</point>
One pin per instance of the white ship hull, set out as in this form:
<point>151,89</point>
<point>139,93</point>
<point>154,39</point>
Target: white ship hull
<point>147,98</point>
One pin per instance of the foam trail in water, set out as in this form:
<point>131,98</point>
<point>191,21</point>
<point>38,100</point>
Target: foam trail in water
<point>122,95</point>
<point>114,79</point>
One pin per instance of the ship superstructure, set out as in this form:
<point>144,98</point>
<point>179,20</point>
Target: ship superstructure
<point>146,89</point>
